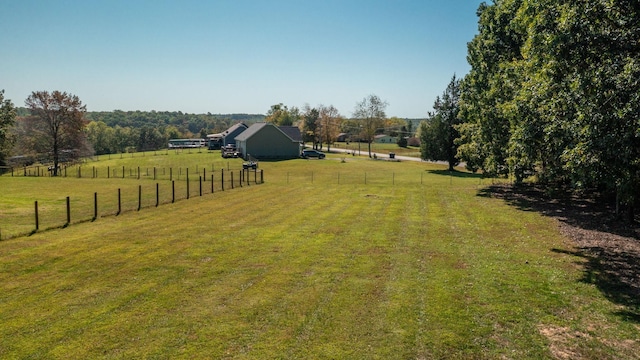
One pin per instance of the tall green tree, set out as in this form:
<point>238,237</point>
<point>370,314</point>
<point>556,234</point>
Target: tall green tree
<point>439,136</point>
<point>309,125</point>
<point>489,86</point>
<point>57,120</point>
<point>7,120</point>
<point>370,114</point>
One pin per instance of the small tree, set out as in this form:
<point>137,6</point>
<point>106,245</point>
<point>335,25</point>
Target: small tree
<point>370,112</point>
<point>402,137</point>
<point>310,125</point>
<point>58,122</point>
<point>329,124</point>
<point>439,133</point>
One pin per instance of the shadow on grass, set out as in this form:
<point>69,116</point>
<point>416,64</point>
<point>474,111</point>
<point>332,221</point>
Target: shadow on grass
<point>609,246</point>
<point>455,173</point>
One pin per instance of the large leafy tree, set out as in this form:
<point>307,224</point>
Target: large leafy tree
<point>489,86</point>
<point>370,113</point>
<point>7,119</point>
<point>57,121</point>
<point>437,137</point>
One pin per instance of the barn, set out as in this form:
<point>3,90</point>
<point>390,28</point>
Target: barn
<point>268,141</point>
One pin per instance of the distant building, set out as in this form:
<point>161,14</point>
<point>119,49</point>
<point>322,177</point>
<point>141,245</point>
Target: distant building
<point>268,141</point>
<point>227,137</point>
<point>384,139</point>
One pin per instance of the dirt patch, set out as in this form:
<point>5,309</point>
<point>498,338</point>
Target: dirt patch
<point>562,341</point>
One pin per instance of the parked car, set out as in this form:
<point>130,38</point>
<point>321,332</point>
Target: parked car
<point>310,153</point>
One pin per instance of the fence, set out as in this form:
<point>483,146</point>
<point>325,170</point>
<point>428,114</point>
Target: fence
<point>131,197</point>
<point>137,172</point>
<point>384,178</point>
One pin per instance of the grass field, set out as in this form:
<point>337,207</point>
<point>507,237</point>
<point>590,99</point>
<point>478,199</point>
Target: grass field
<point>327,259</point>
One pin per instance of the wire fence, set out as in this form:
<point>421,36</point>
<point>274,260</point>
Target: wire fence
<point>69,210</point>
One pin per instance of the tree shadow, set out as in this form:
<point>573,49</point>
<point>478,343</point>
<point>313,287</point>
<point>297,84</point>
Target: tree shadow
<point>609,246</point>
<point>456,173</point>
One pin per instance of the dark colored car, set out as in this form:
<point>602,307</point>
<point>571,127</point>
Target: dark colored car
<point>312,154</point>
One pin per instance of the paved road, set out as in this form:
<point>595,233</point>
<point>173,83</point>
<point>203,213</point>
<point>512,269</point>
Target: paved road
<point>385,155</point>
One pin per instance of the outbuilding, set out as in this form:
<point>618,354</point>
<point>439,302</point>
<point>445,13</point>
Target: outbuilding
<point>268,141</point>
<point>227,137</point>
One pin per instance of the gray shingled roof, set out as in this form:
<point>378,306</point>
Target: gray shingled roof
<point>291,131</point>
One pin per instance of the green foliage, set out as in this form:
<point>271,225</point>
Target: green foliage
<point>370,114</point>
<point>281,115</point>
<point>56,124</point>
<point>310,118</point>
<point>7,119</point>
<point>402,137</point>
<point>187,124</point>
<point>554,91</point>
<point>439,133</point>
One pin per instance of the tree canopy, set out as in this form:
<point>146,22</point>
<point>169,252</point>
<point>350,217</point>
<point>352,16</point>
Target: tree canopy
<point>57,122</point>
<point>439,132</point>
<point>370,114</point>
<point>7,119</point>
<point>281,115</point>
<point>554,91</point>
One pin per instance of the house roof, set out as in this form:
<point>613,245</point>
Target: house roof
<point>234,128</point>
<point>250,131</point>
<point>228,131</point>
<point>291,132</point>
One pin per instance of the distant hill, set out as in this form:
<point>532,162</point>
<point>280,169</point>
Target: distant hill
<point>184,121</point>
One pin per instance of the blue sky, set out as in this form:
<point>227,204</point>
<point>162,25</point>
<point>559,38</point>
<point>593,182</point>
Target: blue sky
<point>235,56</point>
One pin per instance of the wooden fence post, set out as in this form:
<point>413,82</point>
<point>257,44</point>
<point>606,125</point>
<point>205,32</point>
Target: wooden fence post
<point>139,197</point>
<point>222,179</point>
<point>119,203</point>
<point>68,212</point>
<point>173,191</point>
<point>212,183</point>
<point>95,206</point>
<point>200,185</point>
<point>157,191</point>
<point>37,221</point>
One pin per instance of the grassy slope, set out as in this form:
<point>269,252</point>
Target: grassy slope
<point>311,264</point>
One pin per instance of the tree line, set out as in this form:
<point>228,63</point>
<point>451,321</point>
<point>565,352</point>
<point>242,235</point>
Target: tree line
<point>322,124</point>
<point>553,94</point>
<point>56,127</point>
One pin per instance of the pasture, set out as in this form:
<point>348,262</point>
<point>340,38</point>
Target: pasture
<point>349,259</point>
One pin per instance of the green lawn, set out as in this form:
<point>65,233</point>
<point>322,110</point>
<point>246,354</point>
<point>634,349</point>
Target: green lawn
<point>327,259</point>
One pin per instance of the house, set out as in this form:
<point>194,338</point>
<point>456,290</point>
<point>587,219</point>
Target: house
<point>268,141</point>
<point>384,139</point>
<point>227,137</point>
<point>342,137</point>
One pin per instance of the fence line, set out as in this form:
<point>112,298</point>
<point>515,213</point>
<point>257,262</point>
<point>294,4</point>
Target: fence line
<point>78,211</point>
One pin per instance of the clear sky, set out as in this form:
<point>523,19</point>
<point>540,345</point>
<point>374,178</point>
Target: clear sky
<point>235,56</point>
